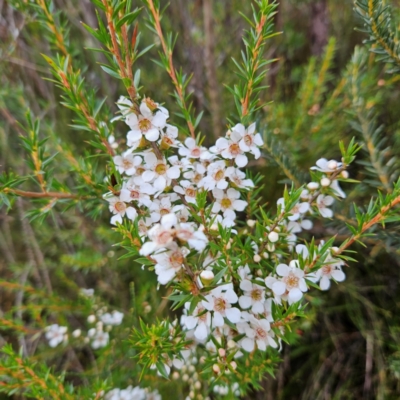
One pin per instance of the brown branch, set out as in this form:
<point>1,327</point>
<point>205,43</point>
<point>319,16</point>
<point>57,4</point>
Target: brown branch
<point>43,195</point>
<point>378,218</point>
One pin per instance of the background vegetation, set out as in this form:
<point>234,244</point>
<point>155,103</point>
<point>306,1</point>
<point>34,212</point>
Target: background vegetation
<point>324,86</point>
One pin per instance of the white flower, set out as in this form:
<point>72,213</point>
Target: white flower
<point>291,284</point>
<point>200,319</point>
<point>168,137</point>
<point>220,301</point>
<point>322,203</point>
<point>140,193</point>
<point>196,175</point>
<point>193,150</point>
<point>216,176</point>
<point>238,177</point>
<point>297,210</point>
<point>99,338</point>
<point>87,292</point>
<point>127,163</point>
<point>56,334</point>
<point>169,263</point>
<point>186,189</point>
<point>267,313</point>
<point>258,332</point>
<point>250,141</point>
<point>159,172</point>
<point>324,165</point>
<point>119,209</point>
<point>228,203</point>
<point>160,235</point>
<point>115,318</point>
<point>229,148</point>
<point>245,273</point>
<point>146,123</point>
<point>333,269</point>
<point>160,207</point>
<point>254,296</point>
<point>188,232</point>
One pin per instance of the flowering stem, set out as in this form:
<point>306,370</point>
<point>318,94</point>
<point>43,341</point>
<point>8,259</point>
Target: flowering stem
<point>44,195</point>
<point>171,69</point>
<point>366,225</point>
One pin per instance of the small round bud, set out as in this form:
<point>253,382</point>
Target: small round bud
<point>185,377</point>
<point>191,368</point>
<point>332,164</point>
<point>202,360</point>
<point>76,333</point>
<point>312,185</point>
<point>257,258</point>
<point>222,352</point>
<point>325,182</point>
<point>147,309</point>
<point>233,365</point>
<point>91,319</point>
<point>191,394</point>
<point>231,344</point>
<point>216,368</point>
<point>273,236</point>
<point>251,223</point>
<point>270,247</point>
<point>206,277</point>
<point>344,174</point>
<point>259,272</point>
<point>228,246</point>
<point>214,227</point>
<point>175,375</point>
<point>265,255</point>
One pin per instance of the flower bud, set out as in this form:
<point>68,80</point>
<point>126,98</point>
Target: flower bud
<point>332,164</point>
<point>206,277</point>
<point>185,377</point>
<point>76,333</point>
<point>216,368</point>
<point>251,223</point>
<point>325,182</point>
<point>197,385</point>
<point>231,344</point>
<point>91,319</point>
<point>265,255</point>
<point>344,174</point>
<point>257,258</point>
<point>273,236</point>
<point>175,375</point>
<point>312,185</point>
<point>222,352</point>
<point>233,365</point>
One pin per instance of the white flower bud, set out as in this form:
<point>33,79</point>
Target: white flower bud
<point>273,236</point>
<point>214,227</point>
<point>251,223</point>
<point>332,164</point>
<point>175,375</point>
<point>202,359</point>
<point>231,344</point>
<point>222,352</point>
<point>197,385</point>
<point>206,277</point>
<point>91,319</point>
<point>233,365</point>
<point>257,258</point>
<point>228,246</point>
<point>76,333</point>
<point>185,377</point>
<point>325,182</point>
<point>265,255</point>
<point>147,309</point>
<point>259,272</point>
<point>344,174</point>
<point>270,247</point>
<point>191,368</point>
<point>191,394</point>
<point>216,368</point>
<point>313,186</point>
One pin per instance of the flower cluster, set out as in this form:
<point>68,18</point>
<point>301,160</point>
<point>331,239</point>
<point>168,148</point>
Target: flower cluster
<point>181,196</point>
<point>132,393</point>
<point>98,335</point>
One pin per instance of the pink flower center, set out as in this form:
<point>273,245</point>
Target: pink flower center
<point>256,294</point>
<point>219,304</point>
<point>120,206</point>
<point>292,281</point>
<point>248,140</point>
<point>234,149</point>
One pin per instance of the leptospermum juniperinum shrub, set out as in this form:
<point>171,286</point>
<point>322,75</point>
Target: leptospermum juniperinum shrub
<point>237,270</point>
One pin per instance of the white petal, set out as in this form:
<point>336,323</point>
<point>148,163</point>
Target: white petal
<point>338,275</point>
<point>190,322</point>
<point>325,283</point>
<point>241,160</point>
<point>147,248</point>
<point>173,172</point>
<point>131,213</point>
<point>246,285</point>
<point>282,270</point>
<point>295,295</point>
<point>233,314</point>
<point>248,344</point>
<point>278,288</point>
<point>245,302</point>
<point>240,129</point>
<point>152,134</point>
<point>239,205</point>
<point>218,320</point>
<point>201,332</point>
